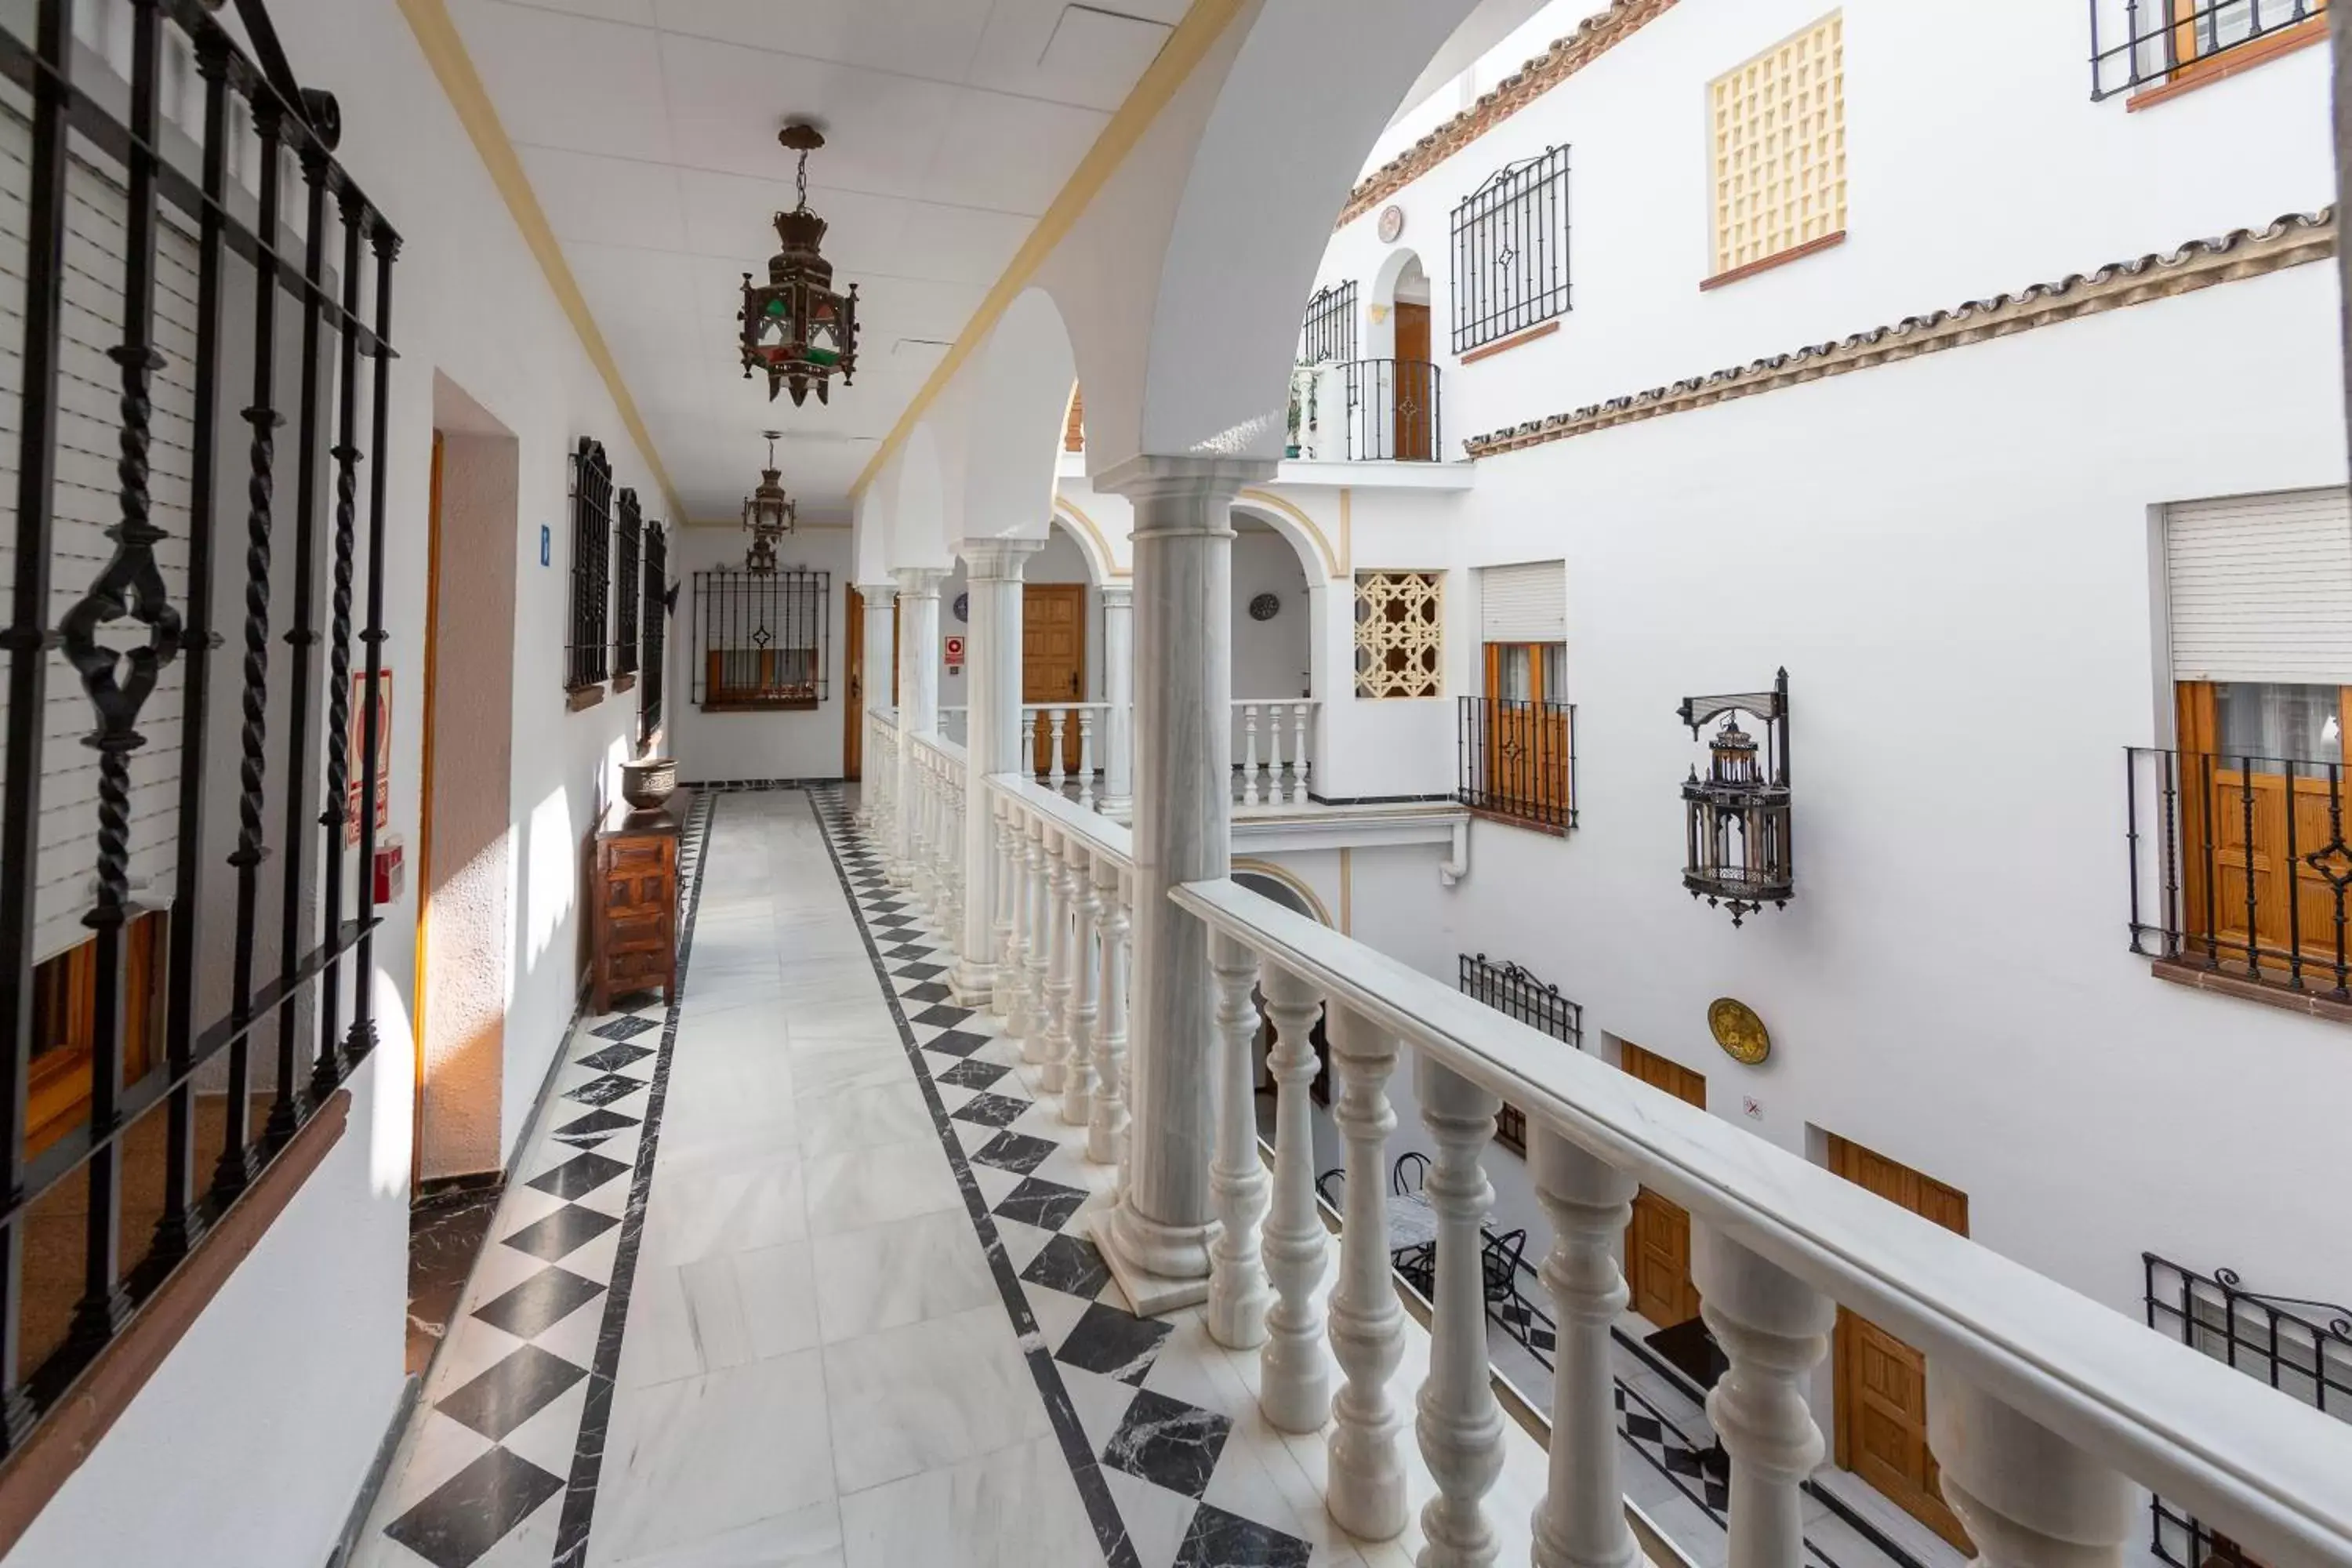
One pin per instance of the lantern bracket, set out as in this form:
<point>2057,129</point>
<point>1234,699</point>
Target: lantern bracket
<point>1770,707</point>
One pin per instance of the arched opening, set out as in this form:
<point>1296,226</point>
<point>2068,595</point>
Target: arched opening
<point>1393,406</point>
<point>1062,654</point>
<point>1272,639</point>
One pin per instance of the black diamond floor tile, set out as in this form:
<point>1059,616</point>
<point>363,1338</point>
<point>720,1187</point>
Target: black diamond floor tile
<point>920,971</point>
<point>560,1234</point>
<point>1219,1540</point>
<point>472,1511</point>
<point>580,1173</point>
<point>598,1124</point>
<point>1109,1341</point>
<point>972,1074</point>
<point>626,1028</point>
<point>510,1393</point>
<point>1168,1443</point>
<point>1068,1264</point>
<point>1010,1151</point>
<point>539,1302</point>
<point>990,1111</point>
<point>929,991</point>
<point>615,1057</point>
<point>907,950</point>
<point>606,1089</point>
<point>939,1016</point>
<point>955,1043</point>
<point>1047,1204</point>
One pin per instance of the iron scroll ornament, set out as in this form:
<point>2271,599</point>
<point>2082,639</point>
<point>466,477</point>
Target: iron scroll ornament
<point>1266,606</point>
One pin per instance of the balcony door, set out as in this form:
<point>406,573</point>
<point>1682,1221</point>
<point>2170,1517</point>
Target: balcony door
<point>1657,1242</point>
<point>1882,1383</point>
<point>1526,766</point>
<point>1053,662</point>
<point>1414,395</point>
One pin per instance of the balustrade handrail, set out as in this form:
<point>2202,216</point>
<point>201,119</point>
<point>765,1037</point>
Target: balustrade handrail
<point>1101,836</point>
<point>2271,1472</point>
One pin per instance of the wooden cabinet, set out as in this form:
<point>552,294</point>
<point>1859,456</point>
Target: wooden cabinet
<point>634,886</point>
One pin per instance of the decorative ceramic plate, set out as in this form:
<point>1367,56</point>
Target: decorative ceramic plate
<point>1738,1030</point>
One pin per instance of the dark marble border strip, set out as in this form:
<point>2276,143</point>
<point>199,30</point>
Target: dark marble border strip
<point>1102,1510</point>
<point>588,1448</point>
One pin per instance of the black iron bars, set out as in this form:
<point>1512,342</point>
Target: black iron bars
<point>1511,251</point>
<point>1738,816</point>
<point>362,1039</point>
<point>588,653</point>
<point>626,590</point>
<point>655,631</point>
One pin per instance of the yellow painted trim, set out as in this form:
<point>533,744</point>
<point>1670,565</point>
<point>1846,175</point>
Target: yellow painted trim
<point>444,51</point>
<point>1273,502</point>
<point>1347,892</point>
<point>1203,25</point>
<point>1069,512</point>
<point>1290,879</point>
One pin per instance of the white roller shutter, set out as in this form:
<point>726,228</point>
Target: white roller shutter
<point>1527,603</point>
<point>2259,588</point>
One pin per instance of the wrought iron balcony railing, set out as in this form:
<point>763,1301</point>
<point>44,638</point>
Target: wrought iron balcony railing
<point>1367,411</point>
<point>2142,44</point>
<point>1518,759</point>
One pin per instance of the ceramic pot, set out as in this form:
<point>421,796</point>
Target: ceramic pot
<point>648,781</point>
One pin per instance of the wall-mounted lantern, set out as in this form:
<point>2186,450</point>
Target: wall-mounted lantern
<point>1738,816</point>
<point>796,327</point>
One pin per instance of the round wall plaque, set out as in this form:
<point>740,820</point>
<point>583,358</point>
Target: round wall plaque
<point>1738,1030</point>
<point>1266,606</point>
<point>1391,224</point>
<point>964,607</point>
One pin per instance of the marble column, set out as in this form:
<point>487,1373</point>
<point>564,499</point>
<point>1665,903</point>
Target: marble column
<point>991,740</point>
<point>879,676</point>
<point>1773,1327</point>
<point>919,695</point>
<point>1157,1238</point>
<point>1117,736</point>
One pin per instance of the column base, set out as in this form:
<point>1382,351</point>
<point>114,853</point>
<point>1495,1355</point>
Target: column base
<point>970,984</point>
<point>1163,1281</point>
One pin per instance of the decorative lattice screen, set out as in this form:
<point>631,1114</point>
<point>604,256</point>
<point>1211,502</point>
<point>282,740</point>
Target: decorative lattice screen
<point>1779,122</point>
<point>1400,634</point>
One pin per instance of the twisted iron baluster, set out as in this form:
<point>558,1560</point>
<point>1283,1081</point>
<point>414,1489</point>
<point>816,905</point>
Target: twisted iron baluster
<point>328,1071</point>
<point>361,1038</point>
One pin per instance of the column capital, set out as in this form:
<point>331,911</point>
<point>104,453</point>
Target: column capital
<point>880,588</point>
<point>1150,478</point>
<point>1118,595</point>
<point>921,582</point>
<point>998,560</point>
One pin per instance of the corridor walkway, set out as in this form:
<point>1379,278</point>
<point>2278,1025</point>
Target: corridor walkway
<point>794,1273</point>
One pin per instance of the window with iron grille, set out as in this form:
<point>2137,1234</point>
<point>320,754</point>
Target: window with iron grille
<point>1516,994</point>
<point>1511,251</point>
<point>2138,44</point>
<point>766,638</point>
<point>625,590</point>
<point>589,652</point>
<point>655,632</point>
<point>1329,334</point>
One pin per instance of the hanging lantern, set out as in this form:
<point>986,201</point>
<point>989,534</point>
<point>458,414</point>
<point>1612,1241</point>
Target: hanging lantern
<point>796,328</point>
<point>1738,816</point>
<point>767,512</point>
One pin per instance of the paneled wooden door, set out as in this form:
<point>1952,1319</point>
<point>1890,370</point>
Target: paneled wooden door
<point>1054,660</point>
<point>1526,727</point>
<point>1657,1242</point>
<point>1413,392</point>
<point>1882,1383</point>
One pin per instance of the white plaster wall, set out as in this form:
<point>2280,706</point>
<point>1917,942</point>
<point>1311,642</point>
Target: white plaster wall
<point>803,745</point>
<point>1271,658</point>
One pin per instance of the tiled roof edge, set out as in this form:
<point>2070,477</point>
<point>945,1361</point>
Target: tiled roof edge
<point>1594,36</point>
<point>2290,241</point>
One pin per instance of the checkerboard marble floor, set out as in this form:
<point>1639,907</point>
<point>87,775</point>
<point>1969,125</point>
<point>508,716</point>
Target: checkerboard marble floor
<point>795,1273</point>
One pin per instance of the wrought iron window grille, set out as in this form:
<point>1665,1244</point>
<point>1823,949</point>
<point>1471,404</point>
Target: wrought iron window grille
<point>1518,759</point>
<point>2138,44</point>
<point>1511,251</point>
<point>1329,334</point>
<point>1516,993</point>
<point>627,540</point>
<point>2301,1348</point>
<point>655,632</point>
<point>588,652</point>
<point>132,1156</point>
<point>766,638</point>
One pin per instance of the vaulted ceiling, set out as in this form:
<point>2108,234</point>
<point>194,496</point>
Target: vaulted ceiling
<point>648,128</point>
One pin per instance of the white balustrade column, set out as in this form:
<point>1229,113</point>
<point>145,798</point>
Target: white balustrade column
<point>1119,699</point>
<point>2029,1498</point>
<point>878,679</point>
<point>1253,788</point>
<point>919,697</point>
<point>951,864</point>
<point>1156,1239</point>
<point>1299,714</point>
<point>1275,790</point>
<point>1294,1370</point>
<point>1459,1424</point>
<point>1085,1006</point>
<point>1057,722</point>
<point>1060,971</point>
<point>1773,1327</point>
<point>1106,1123</point>
<point>1087,789</point>
<point>1366,1487</point>
<point>1582,1521</point>
<point>1004,990</point>
<point>1038,956</point>
<point>992,739</point>
<point>1238,1292</point>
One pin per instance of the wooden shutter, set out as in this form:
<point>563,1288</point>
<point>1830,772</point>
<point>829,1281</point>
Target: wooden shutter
<point>1524,604</point>
<point>2259,588</point>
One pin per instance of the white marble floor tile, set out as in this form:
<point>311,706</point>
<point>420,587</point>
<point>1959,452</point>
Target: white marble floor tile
<point>930,1395</point>
<point>848,1120</point>
<point>1156,1518</point>
<point>1015,1508</point>
<point>697,1210</point>
<point>883,1276</point>
<point>826,1068</point>
<point>874,1185</point>
<point>806,1538</point>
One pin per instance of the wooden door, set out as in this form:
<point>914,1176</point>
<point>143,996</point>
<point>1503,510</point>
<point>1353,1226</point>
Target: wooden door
<point>1413,395</point>
<point>1053,661</point>
<point>852,717</point>
<point>1657,1242</point>
<point>1526,764</point>
<point>2235,891</point>
<point>1882,1383</point>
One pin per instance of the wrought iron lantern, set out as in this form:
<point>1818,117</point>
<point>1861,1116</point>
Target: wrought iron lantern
<point>1738,816</point>
<point>767,512</point>
<point>796,327</point>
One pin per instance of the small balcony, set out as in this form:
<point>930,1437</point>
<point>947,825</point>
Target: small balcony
<point>1518,761</point>
<point>1366,411</point>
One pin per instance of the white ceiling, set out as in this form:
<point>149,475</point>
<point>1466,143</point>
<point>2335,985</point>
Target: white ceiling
<point>648,130</point>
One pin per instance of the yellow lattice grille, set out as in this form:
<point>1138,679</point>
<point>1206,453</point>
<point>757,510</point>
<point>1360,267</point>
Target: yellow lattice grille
<point>1779,147</point>
<point>1400,634</point>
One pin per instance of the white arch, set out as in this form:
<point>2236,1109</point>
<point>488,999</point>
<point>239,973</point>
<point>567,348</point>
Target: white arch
<point>919,523</point>
<point>1317,557</point>
<point>1015,409</point>
<point>1081,532</point>
<point>1380,341</point>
